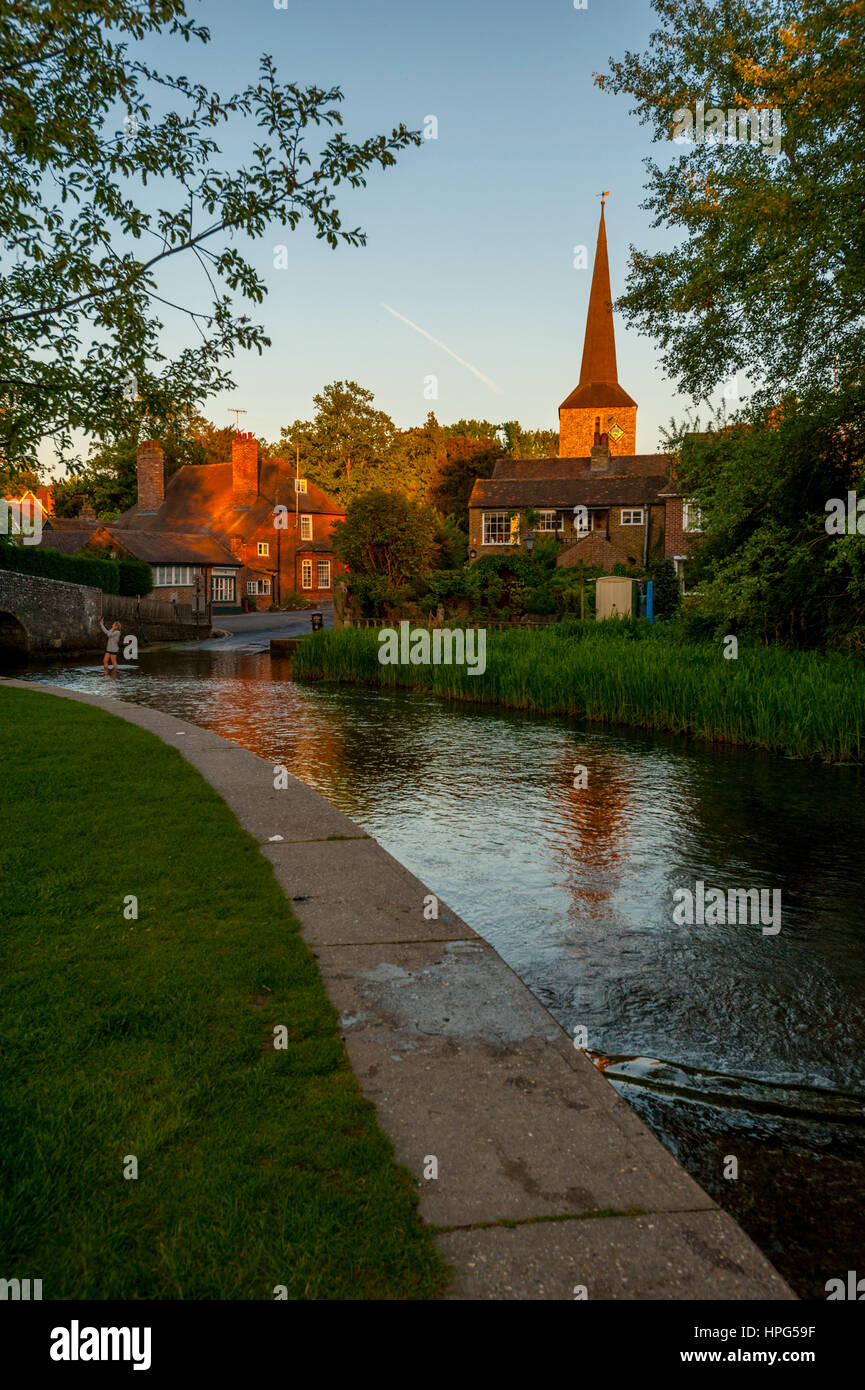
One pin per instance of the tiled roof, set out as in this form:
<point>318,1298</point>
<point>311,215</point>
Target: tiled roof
<point>596,550</point>
<point>623,465</point>
<point>67,539</point>
<point>200,498</point>
<point>597,395</point>
<point>592,491</point>
<point>169,547</point>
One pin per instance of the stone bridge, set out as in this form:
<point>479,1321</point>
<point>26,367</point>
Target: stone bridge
<point>41,616</point>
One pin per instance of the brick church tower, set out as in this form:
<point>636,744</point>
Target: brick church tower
<point>598,402</point>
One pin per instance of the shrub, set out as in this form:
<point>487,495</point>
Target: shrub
<point>136,577</point>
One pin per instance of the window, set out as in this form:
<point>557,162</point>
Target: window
<point>222,587</point>
<point>551,521</point>
<point>324,574</point>
<point>633,516</point>
<point>264,547</point>
<point>306,574</point>
<point>166,576</point>
<point>258,586</point>
<point>300,484</point>
<point>692,517</point>
<point>498,530</point>
<point>306,528</point>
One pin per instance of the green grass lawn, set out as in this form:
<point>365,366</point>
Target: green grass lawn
<point>256,1167</point>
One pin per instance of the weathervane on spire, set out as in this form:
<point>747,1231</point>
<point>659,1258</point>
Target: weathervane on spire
<point>604,195</point>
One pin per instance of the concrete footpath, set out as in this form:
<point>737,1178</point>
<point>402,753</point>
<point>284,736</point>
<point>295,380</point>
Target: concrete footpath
<point>465,1066</point>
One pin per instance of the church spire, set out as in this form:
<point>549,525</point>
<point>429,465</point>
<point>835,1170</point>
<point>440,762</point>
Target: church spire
<point>599,346</point>
<point>598,397</point>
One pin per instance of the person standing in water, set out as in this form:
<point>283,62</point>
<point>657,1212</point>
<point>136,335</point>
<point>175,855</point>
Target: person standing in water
<point>112,646</point>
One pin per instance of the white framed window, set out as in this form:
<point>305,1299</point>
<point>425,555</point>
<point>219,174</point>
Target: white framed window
<point>324,574</point>
<point>692,517</point>
<point>258,586</point>
<point>300,484</point>
<point>168,576</point>
<point>550,521</point>
<point>222,587</point>
<point>306,574</point>
<point>306,528</point>
<point>633,516</point>
<point>264,547</point>
<point>498,528</point>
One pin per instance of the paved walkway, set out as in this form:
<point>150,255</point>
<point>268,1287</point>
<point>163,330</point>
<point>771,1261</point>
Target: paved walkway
<point>466,1067</point>
<point>253,631</point>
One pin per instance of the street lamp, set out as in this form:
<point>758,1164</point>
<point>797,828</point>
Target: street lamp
<point>530,540</point>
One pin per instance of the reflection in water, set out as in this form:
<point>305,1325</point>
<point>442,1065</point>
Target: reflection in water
<point>575,889</point>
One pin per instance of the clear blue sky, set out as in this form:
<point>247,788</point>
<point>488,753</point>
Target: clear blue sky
<point>471,236</point>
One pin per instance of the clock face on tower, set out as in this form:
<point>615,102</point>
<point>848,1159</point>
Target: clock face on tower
<point>615,431</point>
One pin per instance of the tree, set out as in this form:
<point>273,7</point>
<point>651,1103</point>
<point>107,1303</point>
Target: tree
<point>83,245</point>
<point>108,482</point>
<point>416,456</point>
<point>466,459</point>
<point>387,534</point>
<point>766,563</point>
<point>529,444</point>
<point>346,448</point>
<point>770,277</point>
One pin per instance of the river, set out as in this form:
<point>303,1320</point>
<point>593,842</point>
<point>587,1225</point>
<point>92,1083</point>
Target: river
<point>732,1043</point>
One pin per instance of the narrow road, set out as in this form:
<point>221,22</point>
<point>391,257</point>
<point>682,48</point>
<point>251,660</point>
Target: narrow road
<point>252,631</point>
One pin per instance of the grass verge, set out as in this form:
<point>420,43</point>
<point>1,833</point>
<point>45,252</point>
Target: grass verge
<point>153,1038</point>
<point>801,704</point>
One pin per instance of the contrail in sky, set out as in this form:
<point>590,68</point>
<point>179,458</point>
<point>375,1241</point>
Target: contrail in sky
<point>444,347</point>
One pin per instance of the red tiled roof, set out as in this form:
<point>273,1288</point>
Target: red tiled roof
<point>595,550</point>
<point>200,498</point>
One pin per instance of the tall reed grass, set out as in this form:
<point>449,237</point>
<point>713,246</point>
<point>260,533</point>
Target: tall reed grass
<point>802,704</point>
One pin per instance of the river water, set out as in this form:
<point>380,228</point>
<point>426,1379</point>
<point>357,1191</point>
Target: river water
<point>732,1043</point>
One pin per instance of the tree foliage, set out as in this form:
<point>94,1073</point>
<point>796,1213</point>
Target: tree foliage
<point>766,563</point>
<point>769,279</point>
<point>109,169</point>
<point>387,534</point>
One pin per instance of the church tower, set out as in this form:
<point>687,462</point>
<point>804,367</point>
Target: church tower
<point>598,406</point>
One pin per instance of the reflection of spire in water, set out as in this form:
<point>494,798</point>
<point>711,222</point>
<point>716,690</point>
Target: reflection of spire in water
<point>591,825</point>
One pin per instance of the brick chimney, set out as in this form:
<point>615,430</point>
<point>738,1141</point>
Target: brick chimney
<point>151,476</point>
<point>244,470</point>
<point>600,456</point>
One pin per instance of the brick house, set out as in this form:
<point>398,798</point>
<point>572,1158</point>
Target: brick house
<point>241,527</point>
<point>603,503</point>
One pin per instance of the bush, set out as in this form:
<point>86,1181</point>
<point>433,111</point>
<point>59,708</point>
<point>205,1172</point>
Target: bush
<point>666,595</point>
<point>111,576</point>
<point>136,577</point>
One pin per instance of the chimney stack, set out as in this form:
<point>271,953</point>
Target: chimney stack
<point>600,456</point>
<point>151,476</point>
<point>244,470</point>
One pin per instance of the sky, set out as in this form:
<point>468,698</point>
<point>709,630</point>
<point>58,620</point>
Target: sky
<point>471,236</point>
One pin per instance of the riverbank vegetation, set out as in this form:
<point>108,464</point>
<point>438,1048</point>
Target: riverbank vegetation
<point>151,1037</point>
<point>627,671</point>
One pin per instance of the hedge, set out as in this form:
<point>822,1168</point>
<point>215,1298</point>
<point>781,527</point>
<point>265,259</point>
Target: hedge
<point>111,576</point>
